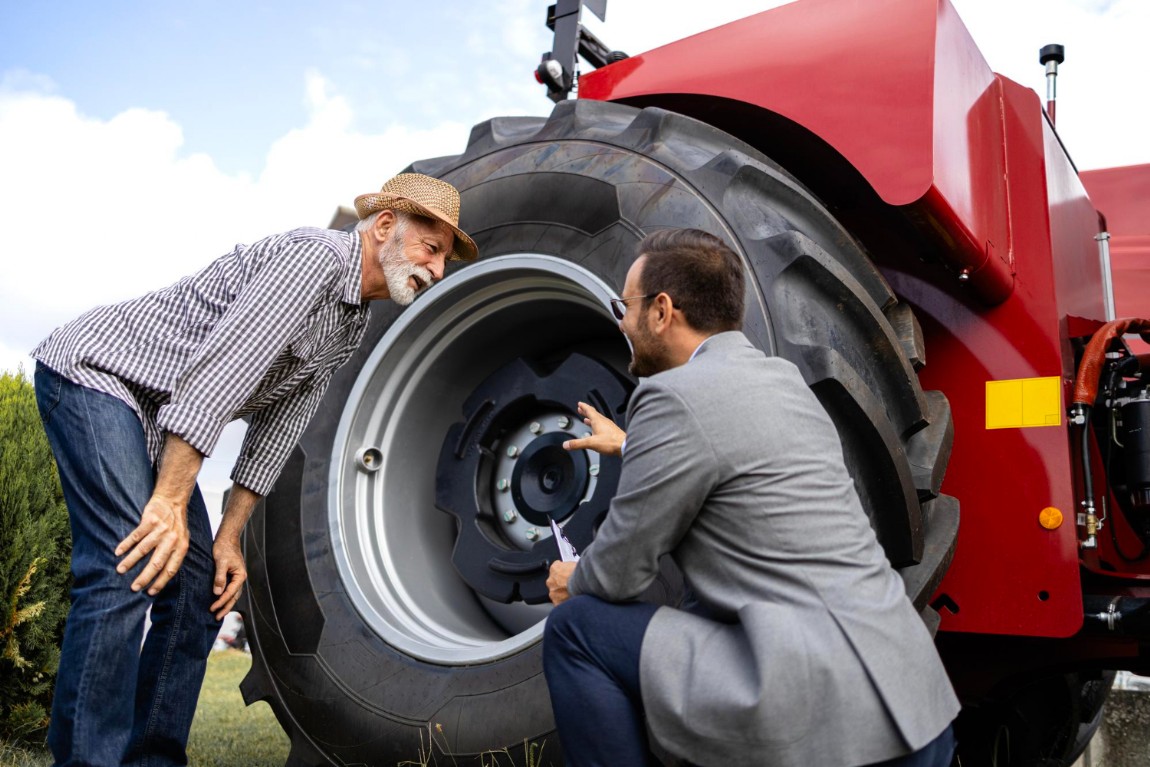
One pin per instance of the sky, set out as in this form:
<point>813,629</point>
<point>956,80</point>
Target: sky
<point>140,139</point>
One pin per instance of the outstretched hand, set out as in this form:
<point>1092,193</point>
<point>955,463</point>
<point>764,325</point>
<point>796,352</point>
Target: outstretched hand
<point>606,438</point>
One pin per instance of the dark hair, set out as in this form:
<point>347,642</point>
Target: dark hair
<point>703,277</point>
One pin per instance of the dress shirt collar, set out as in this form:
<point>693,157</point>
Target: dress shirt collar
<point>697,348</point>
<point>353,282</point>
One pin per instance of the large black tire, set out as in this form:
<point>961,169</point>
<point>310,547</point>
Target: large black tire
<point>1044,720</point>
<point>366,641</point>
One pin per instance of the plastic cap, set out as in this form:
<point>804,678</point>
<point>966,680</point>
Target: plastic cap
<point>1053,52</point>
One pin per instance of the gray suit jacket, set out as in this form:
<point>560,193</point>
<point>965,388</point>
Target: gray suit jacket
<point>811,654</point>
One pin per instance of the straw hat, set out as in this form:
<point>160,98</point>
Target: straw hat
<point>425,196</point>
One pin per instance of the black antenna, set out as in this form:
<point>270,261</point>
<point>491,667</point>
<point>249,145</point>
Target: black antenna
<point>1051,56</point>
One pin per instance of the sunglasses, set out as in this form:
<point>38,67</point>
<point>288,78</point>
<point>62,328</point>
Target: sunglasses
<point>619,305</point>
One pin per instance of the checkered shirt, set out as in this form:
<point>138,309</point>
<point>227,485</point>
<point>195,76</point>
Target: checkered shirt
<point>256,334</point>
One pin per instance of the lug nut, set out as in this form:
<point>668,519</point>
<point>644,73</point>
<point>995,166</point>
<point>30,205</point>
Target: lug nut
<point>594,470</point>
<point>536,427</point>
<point>503,484</point>
<point>564,422</point>
<point>510,516</point>
<point>512,451</point>
<point>532,534</point>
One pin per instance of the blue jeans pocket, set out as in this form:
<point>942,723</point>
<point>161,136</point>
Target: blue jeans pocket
<point>47,383</point>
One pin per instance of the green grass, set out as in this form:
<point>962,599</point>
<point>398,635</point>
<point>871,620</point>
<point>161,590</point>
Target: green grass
<point>225,733</point>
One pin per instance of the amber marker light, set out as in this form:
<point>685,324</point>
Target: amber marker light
<point>1050,518</point>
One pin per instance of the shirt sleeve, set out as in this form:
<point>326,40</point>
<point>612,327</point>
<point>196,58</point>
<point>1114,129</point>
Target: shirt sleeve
<point>229,364</point>
<point>669,469</point>
<point>271,435</point>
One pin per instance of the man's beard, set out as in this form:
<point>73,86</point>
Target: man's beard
<point>649,353</point>
<point>397,271</point>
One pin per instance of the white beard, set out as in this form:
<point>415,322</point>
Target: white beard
<point>398,271</point>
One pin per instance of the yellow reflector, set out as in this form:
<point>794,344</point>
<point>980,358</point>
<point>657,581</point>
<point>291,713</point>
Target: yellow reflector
<point>1024,402</point>
<point>1050,518</point>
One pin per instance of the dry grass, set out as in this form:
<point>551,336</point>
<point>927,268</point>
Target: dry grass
<point>22,756</point>
<point>433,754</point>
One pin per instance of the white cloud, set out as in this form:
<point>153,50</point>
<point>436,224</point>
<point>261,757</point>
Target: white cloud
<point>326,163</point>
<point>636,26</point>
<point>98,210</point>
<point>94,211</point>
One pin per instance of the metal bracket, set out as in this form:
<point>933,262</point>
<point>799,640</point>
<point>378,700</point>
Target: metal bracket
<point>558,68</point>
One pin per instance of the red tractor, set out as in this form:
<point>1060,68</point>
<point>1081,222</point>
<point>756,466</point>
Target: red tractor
<point>919,243</point>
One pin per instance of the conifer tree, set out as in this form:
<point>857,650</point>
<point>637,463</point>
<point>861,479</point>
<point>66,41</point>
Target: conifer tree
<point>35,546</point>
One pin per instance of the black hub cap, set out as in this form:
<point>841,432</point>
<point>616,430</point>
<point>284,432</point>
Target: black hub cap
<point>549,482</point>
<point>504,474</point>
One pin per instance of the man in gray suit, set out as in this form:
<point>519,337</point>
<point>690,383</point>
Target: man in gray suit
<point>802,649</point>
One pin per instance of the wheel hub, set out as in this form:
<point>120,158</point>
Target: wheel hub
<point>504,474</point>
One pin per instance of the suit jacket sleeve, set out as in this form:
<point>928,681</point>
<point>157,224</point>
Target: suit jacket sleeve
<point>669,469</point>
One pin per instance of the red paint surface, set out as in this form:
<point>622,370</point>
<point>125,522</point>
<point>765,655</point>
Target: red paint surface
<point>1010,575</point>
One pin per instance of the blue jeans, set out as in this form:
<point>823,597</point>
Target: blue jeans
<point>591,661</point>
<point>117,702</point>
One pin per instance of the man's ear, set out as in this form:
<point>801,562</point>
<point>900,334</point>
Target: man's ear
<point>661,312</point>
<point>384,223</point>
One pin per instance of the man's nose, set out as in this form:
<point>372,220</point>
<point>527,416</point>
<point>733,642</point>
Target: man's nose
<point>436,266</point>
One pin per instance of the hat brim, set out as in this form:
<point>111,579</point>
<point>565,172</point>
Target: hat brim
<point>464,249</point>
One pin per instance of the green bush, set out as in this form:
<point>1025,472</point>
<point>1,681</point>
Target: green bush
<point>35,546</point>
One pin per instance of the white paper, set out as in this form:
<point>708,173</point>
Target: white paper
<point>566,550</point>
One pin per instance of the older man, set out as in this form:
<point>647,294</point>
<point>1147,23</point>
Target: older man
<point>134,395</point>
<point>802,649</point>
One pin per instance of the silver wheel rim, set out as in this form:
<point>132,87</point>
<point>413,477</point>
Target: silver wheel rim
<point>391,544</point>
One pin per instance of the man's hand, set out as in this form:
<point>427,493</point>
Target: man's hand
<point>231,574</point>
<point>557,581</point>
<point>163,531</point>
<point>606,438</point>
<point>163,528</point>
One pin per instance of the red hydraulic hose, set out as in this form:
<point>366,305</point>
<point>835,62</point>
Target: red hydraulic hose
<point>1090,369</point>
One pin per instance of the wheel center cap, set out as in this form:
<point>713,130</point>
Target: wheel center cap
<point>549,482</point>
<point>504,475</point>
